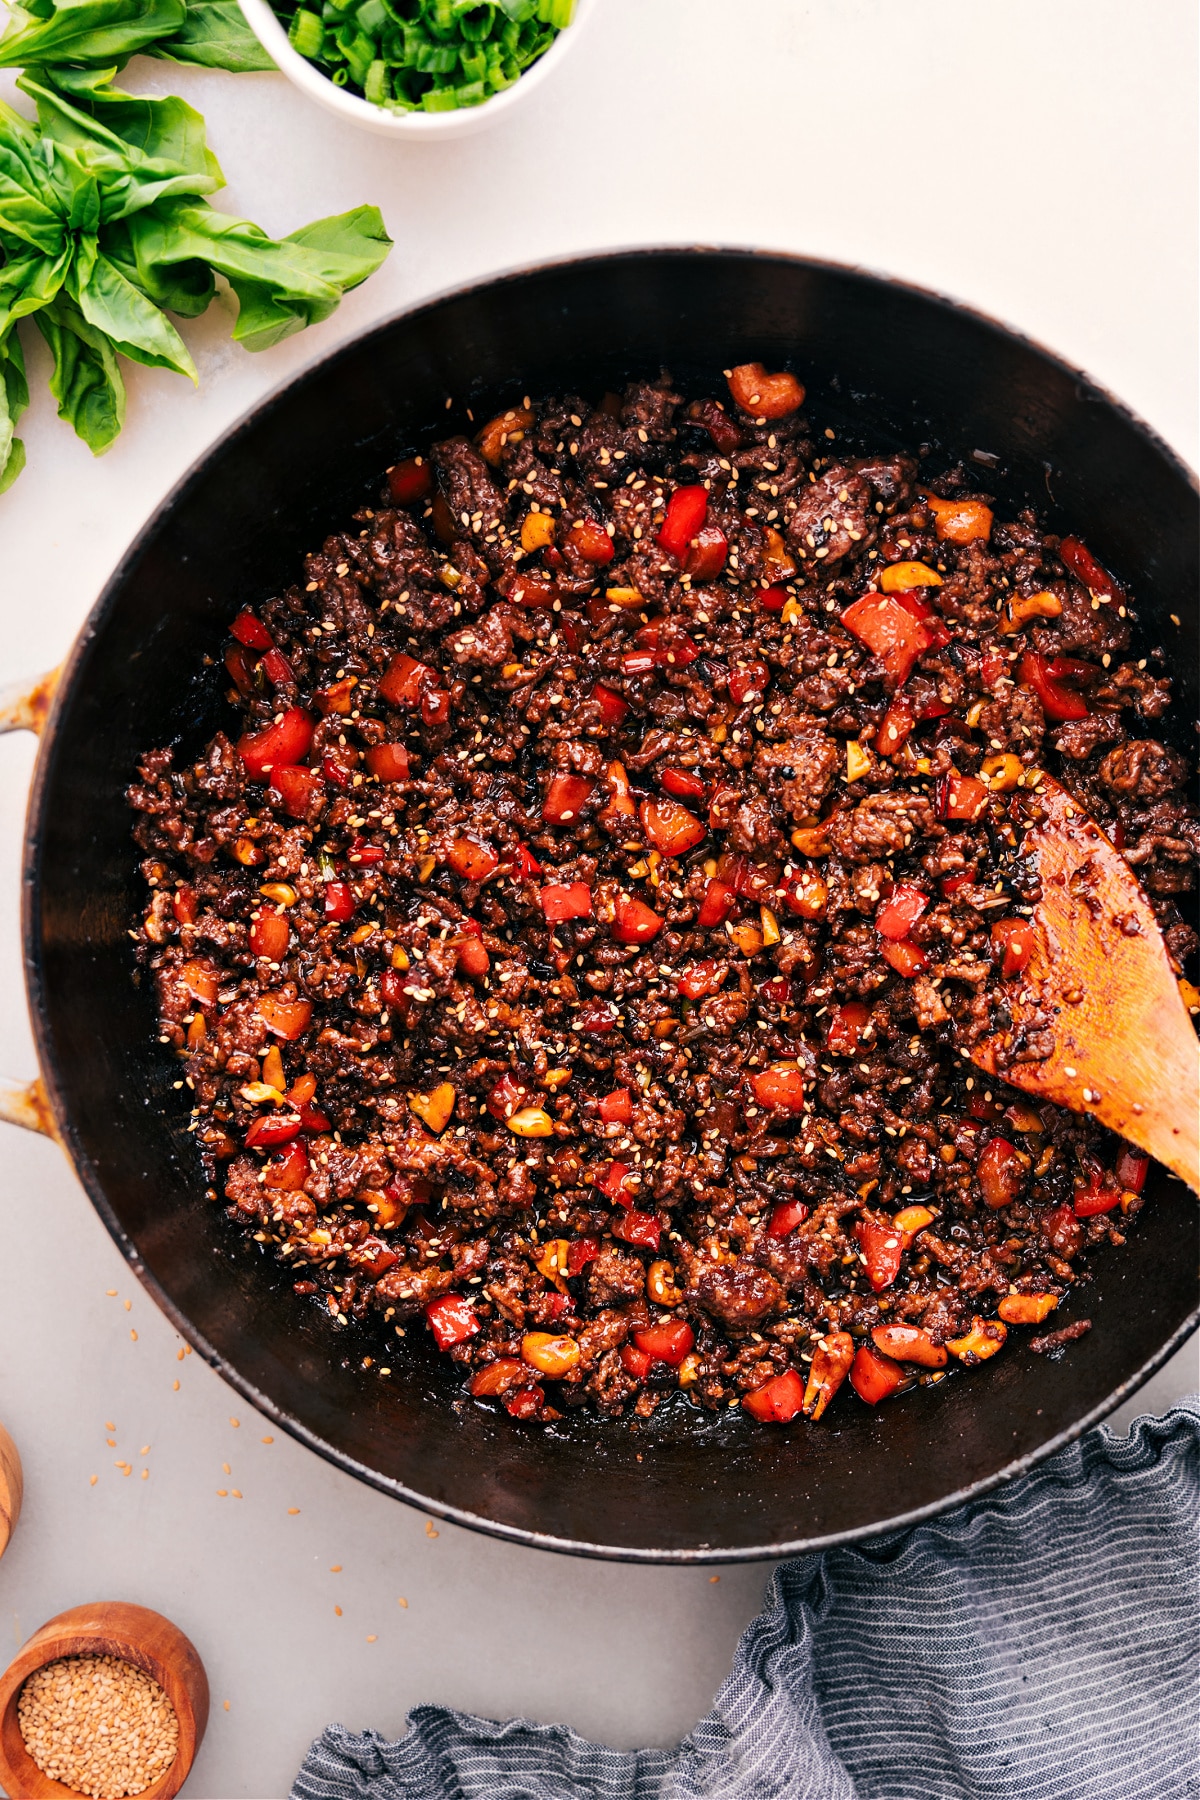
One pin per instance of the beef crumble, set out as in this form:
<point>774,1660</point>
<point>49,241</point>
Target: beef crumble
<point>581,946</point>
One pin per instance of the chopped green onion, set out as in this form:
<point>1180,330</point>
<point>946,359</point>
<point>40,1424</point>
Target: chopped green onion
<point>307,35</point>
<point>375,87</point>
<point>433,54</point>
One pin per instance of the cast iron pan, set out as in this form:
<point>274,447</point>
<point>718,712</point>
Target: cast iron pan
<point>882,362</point>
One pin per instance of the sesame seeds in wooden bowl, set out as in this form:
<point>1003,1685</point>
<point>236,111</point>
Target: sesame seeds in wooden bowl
<point>80,1660</point>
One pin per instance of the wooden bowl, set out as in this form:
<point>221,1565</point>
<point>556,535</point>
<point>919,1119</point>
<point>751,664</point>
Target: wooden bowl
<point>106,1628</point>
<point>12,1486</point>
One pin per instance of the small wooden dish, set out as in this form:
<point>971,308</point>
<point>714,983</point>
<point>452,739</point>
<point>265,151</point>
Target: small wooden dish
<point>106,1628</point>
<point>12,1486</point>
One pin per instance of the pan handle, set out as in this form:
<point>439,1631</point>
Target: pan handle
<point>23,707</point>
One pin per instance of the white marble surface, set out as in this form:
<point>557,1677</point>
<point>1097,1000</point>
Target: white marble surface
<point>1036,158</point>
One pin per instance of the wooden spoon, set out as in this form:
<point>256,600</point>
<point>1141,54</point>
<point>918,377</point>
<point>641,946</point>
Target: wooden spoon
<point>1100,983</point>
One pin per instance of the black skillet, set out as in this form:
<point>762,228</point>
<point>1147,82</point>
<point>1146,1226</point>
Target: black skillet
<point>884,363</point>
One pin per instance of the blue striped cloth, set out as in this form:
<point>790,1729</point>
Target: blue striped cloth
<point>1038,1644</point>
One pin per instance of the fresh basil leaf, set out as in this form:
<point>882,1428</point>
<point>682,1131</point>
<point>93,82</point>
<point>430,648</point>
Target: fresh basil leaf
<point>135,246</point>
<point>32,208</point>
<point>216,36</point>
<point>139,149</point>
<point>29,281</point>
<point>85,381</point>
<point>14,398</point>
<point>87,31</point>
<point>109,301</point>
<point>281,286</point>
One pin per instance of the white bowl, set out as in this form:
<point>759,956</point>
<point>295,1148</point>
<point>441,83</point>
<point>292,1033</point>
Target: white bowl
<point>459,123</point>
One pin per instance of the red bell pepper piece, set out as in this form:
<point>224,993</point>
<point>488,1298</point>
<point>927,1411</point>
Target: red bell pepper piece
<point>278,670</point>
<point>1083,565</point>
<point>914,602</point>
<point>278,745</point>
<point>950,884</point>
<point>570,900</point>
<point>1000,1173</point>
<point>565,796</point>
<point>591,540</point>
<point>403,681</point>
<point>270,1129</point>
<point>269,936</point>
<point>701,979</point>
<point>410,480</point>
<point>890,632</point>
<point>473,959</point>
<point>452,1319</point>
<point>298,789</point>
<point>786,1217</point>
<point>713,418</point>
<point>364,854</point>
<point>635,1362</point>
<point>507,1097</point>
<point>684,784</point>
<point>909,1343</point>
<point>1013,942</point>
<point>846,1027</point>
<point>580,1253</point>
<point>778,990</point>
<point>338,765</point>
<point>898,722</point>
<point>284,1018</point>
<point>612,1179</point>
<point>313,1119</point>
<point>373,1257</point>
<point>706,553</point>
<point>896,916</point>
<point>639,662</point>
<point>612,707</point>
<point>288,1168</point>
<point>616,1108</point>
<point>979,1108</point>
<point>184,905</point>
<point>496,1378</point>
<point>641,1228</point>
<point>874,1377</point>
<point>435,706</point>
<point>1095,1198</point>
<point>830,1366</point>
<point>716,905</point>
<point>533,591</point>
<point>1131,1170</point>
<point>388,762</point>
<point>634,922</point>
<point>882,1247</point>
<point>339,901</point>
<point>472,860</point>
<point>687,510</point>
<point>905,958</point>
<point>780,1088</point>
<point>527,862</point>
<point>772,599</point>
<point>525,1403</point>
<point>251,631</point>
<point>596,1016</point>
<point>777,1401</point>
<point>1059,700</point>
<point>396,996</point>
<point>668,1343</point>
<point>671,828</point>
<point>241,668</point>
<point>960,797</point>
<point>748,681</point>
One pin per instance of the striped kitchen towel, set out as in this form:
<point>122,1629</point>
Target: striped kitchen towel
<point>1037,1644</point>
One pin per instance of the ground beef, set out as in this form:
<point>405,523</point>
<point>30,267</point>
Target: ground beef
<point>520,939</point>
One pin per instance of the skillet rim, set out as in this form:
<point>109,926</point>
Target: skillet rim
<point>74,671</point>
